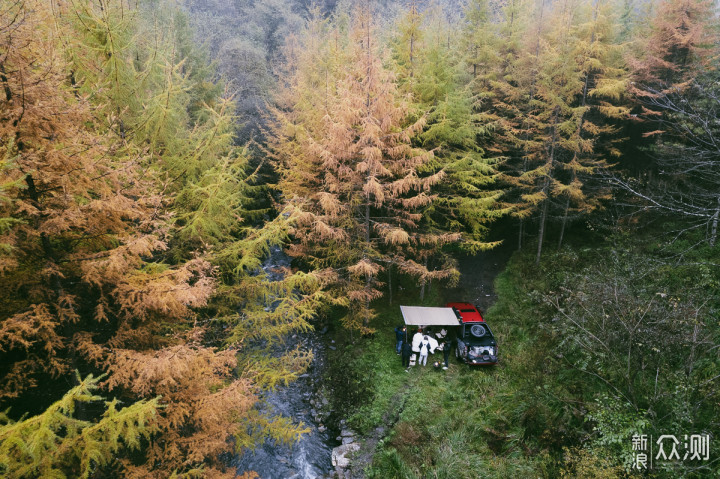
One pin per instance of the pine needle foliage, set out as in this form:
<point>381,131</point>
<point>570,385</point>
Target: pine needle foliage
<point>60,445</point>
<point>123,208</point>
<point>86,219</point>
<point>566,90</point>
<point>456,130</point>
<point>351,176</point>
<point>677,47</point>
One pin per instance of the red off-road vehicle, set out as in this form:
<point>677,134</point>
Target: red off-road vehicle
<point>476,344</point>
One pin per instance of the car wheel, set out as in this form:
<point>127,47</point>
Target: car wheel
<point>458,356</point>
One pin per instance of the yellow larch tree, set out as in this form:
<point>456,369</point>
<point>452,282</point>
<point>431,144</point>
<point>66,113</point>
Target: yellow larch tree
<point>106,163</point>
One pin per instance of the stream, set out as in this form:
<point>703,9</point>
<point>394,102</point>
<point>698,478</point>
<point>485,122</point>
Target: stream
<point>309,457</point>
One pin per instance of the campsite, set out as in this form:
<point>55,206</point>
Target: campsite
<point>359,239</point>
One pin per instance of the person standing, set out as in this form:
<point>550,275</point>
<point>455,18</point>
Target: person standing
<point>406,353</point>
<point>424,350</point>
<point>446,353</point>
<point>417,339</point>
<point>400,338</point>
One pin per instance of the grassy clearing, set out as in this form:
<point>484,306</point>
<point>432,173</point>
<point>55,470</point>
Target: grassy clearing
<point>536,414</point>
<point>446,423</point>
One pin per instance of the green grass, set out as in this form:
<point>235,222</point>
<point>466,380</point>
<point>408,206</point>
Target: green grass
<point>527,417</point>
<point>447,423</point>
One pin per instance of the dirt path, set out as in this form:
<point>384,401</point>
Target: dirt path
<point>364,456</point>
<point>478,272</point>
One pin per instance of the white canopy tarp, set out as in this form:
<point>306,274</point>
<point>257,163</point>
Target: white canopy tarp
<point>428,316</point>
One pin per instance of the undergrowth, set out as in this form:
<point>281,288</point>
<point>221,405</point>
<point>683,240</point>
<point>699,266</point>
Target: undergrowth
<point>550,408</point>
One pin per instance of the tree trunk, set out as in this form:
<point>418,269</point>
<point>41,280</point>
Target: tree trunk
<point>69,328</point>
<point>412,47</point>
<point>520,235</point>
<point>564,221</point>
<point>368,278</point>
<point>429,281</point>
<point>6,85</point>
<point>390,298</point>
<point>714,227</point>
<point>541,233</point>
<point>546,187</point>
<point>422,284</point>
<point>366,319</point>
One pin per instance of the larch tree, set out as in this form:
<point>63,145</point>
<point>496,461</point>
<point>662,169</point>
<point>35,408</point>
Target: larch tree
<point>86,223</point>
<point>56,443</point>
<point>675,93</point>
<point>513,93</point>
<point>458,131</point>
<point>554,116</point>
<point>569,76</point>
<point>118,190</point>
<point>479,40</point>
<point>406,44</point>
<point>83,217</point>
<point>602,101</point>
<point>677,47</point>
<point>353,179</point>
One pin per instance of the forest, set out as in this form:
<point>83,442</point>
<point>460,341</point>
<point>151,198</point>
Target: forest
<point>155,153</point>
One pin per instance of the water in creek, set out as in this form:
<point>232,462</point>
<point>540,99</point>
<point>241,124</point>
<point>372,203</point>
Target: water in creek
<point>308,458</point>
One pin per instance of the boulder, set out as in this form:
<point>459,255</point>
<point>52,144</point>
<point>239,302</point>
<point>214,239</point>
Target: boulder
<point>340,458</point>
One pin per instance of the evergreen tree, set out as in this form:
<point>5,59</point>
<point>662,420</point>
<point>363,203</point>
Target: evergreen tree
<point>57,444</point>
<point>117,184</point>
<point>354,180</point>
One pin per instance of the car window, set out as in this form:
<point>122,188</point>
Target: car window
<point>487,339</point>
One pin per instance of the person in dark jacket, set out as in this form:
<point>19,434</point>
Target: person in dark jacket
<point>400,337</point>
<point>447,346</point>
<point>406,353</point>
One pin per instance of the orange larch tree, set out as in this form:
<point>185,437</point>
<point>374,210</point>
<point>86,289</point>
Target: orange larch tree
<point>94,169</point>
<point>353,178</point>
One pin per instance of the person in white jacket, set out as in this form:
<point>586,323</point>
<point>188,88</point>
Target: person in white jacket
<point>427,345</point>
<point>417,339</point>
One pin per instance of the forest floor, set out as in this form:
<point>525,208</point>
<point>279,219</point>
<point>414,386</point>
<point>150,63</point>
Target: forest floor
<point>538,413</point>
